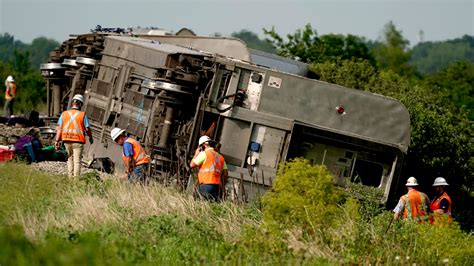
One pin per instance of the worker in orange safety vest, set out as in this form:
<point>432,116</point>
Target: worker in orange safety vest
<point>73,125</point>
<point>135,159</point>
<point>10,95</point>
<point>413,206</point>
<point>441,204</point>
<point>212,175</point>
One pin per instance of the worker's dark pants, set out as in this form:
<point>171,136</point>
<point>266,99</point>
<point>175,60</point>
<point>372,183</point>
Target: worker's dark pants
<point>138,174</point>
<point>8,107</point>
<point>209,192</point>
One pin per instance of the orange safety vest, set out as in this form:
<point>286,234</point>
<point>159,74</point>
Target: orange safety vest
<point>210,170</point>
<point>10,91</point>
<point>435,205</point>
<point>416,206</point>
<point>139,155</point>
<point>73,126</point>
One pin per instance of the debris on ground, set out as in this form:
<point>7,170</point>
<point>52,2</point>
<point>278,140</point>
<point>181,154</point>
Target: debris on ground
<point>60,168</point>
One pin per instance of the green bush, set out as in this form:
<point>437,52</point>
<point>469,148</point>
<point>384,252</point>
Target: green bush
<point>302,195</point>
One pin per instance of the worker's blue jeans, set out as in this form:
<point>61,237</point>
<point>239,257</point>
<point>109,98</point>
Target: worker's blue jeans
<point>208,192</point>
<point>138,174</point>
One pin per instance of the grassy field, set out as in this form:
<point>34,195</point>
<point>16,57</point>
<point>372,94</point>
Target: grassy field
<point>53,220</point>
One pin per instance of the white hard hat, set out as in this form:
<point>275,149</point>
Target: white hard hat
<point>204,139</point>
<point>116,132</point>
<point>440,181</point>
<point>10,79</point>
<point>411,182</point>
<point>78,97</point>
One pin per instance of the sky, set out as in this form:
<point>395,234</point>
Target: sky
<point>438,19</point>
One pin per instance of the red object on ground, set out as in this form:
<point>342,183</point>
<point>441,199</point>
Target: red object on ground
<point>6,155</point>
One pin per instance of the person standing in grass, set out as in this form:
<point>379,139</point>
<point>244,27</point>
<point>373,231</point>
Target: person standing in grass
<point>134,157</point>
<point>412,206</point>
<point>73,125</point>
<point>212,175</point>
<point>441,204</point>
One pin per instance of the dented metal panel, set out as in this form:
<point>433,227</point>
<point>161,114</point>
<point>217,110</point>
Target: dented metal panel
<point>235,134</point>
<point>271,147</point>
<point>365,115</point>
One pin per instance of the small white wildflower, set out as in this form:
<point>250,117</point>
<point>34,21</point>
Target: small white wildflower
<point>446,261</point>
<point>408,257</point>
<point>397,257</point>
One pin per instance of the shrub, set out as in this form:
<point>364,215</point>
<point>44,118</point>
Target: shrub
<point>302,195</point>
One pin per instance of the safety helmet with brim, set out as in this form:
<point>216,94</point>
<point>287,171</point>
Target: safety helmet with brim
<point>115,133</point>
<point>10,79</point>
<point>411,182</point>
<point>204,139</point>
<point>440,181</point>
<point>78,98</point>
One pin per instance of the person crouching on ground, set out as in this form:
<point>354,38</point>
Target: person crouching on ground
<point>133,155</point>
<point>73,125</point>
<point>212,175</point>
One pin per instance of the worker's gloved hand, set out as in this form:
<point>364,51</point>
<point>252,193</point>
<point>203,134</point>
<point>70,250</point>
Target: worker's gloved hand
<point>91,140</point>
<point>56,145</point>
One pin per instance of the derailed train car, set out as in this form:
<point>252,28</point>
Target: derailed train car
<point>167,91</point>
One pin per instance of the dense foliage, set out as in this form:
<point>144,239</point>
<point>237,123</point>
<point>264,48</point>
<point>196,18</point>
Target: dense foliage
<point>22,62</point>
<point>253,41</point>
<point>305,45</point>
<point>432,57</point>
<point>31,91</point>
<point>49,220</point>
<point>456,81</point>
<point>303,195</point>
<point>37,52</point>
<point>391,51</point>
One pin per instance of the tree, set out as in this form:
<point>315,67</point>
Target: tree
<point>253,41</point>
<point>305,45</point>
<point>392,53</point>
<point>457,81</point>
<point>39,50</point>
<point>432,57</point>
<point>8,46</point>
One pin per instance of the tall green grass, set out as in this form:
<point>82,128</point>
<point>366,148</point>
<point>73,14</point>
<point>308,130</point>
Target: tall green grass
<point>55,220</point>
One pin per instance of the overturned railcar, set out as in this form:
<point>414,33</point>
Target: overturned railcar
<point>167,92</point>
